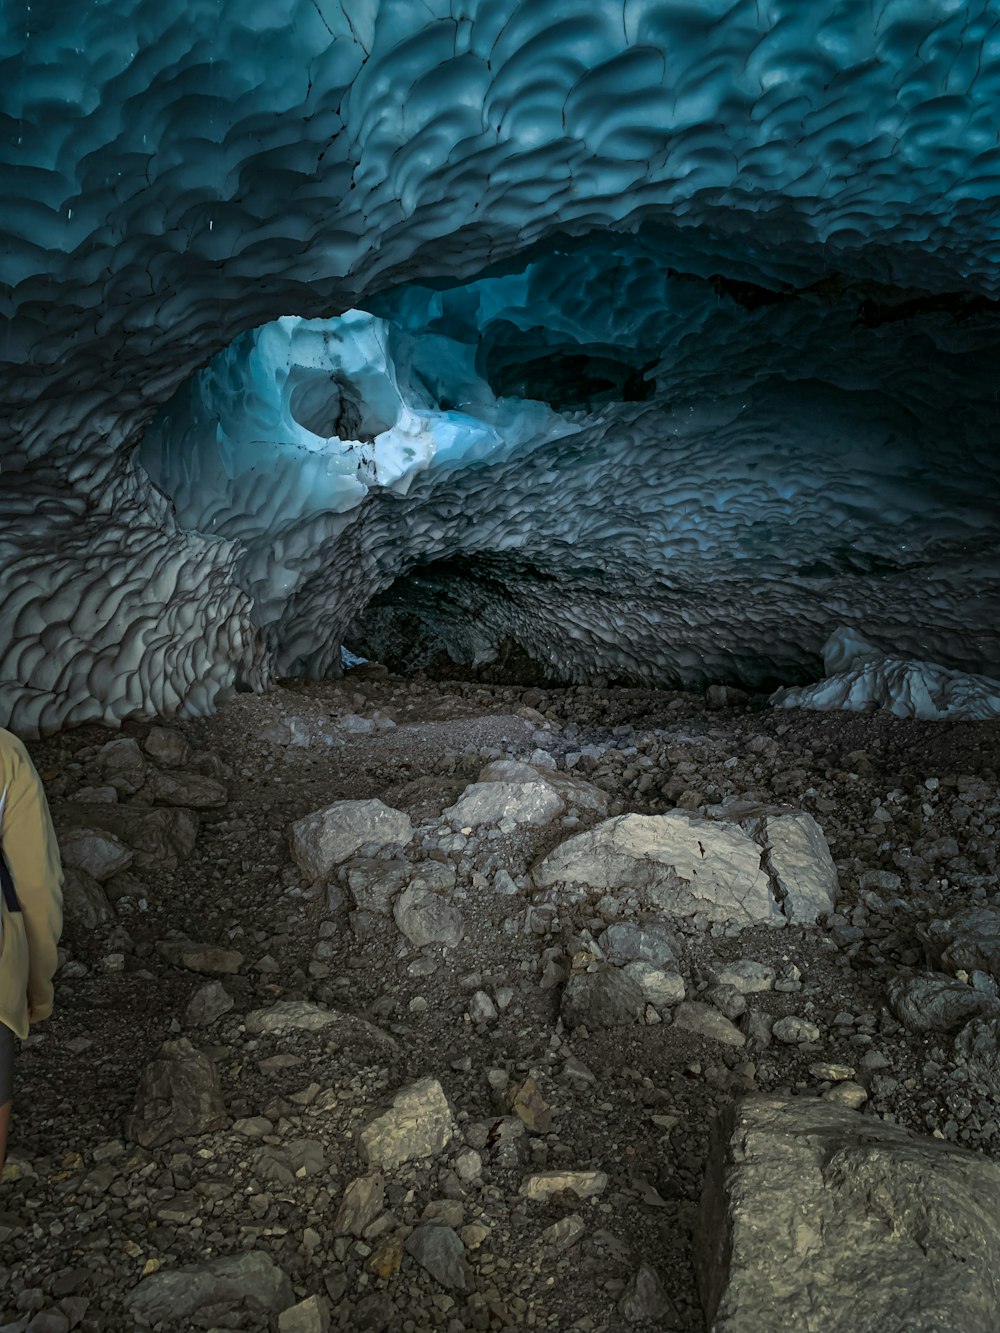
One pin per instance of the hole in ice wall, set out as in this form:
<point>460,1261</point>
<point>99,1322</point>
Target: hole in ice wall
<point>331,406</point>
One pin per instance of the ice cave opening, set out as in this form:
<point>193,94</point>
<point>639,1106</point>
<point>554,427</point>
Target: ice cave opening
<point>618,458</point>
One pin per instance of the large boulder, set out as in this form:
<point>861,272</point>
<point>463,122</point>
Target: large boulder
<point>819,1219</point>
<point>327,837</point>
<point>769,871</point>
<point>677,863</point>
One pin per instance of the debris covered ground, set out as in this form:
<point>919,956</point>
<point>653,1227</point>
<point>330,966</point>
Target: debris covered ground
<point>417,1090</point>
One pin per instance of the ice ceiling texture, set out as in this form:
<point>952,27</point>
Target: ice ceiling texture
<point>642,339</point>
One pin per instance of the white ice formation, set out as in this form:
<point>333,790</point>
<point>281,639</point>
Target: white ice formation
<point>860,678</point>
<point>653,336</point>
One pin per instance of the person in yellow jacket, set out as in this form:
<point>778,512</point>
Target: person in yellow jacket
<point>31,910</point>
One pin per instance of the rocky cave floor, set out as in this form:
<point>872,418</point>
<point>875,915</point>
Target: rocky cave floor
<point>86,1213</point>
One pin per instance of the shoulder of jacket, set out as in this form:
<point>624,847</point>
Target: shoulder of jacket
<point>13,751</point>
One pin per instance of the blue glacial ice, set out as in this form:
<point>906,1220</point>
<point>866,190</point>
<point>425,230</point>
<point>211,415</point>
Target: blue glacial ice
<point>655,337</point>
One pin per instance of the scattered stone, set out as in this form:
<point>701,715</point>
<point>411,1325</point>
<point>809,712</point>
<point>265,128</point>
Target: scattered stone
<point>418,1125</point>
<point>373,883</point>
<point>793,1030</point>
<point>424,917</point>
<point>660,987</point>
<point>387,1257</point>
<point>848,1093</point>
<point>572,790</point>
<point>645,1301</point>
<point>251,1282</point>
<point>295,1159</point>
<point>166,747</point>
<point>440,1251</point>
<point>977,1047</point>
<point>159,839</point>
<point>363,1201</point>
<point>545,1184</point>
<point>728,1000</point>
<point>481,1008</point>
<point>468,1165</point>
<point>624,942</point>
<point>253,1127</point>
<point>530,1107</point>
<point>179,1095</point>
<point>706,1021</point>
<point>275,733</point>
<point>184,789</point>
<point>305,1016</point>
<point>747,976</point>
<point>96,796</point>
<point>565,1233</point>
<point>207,1005</point>
<point>85,904</point>
<point>200,957</point>
<point>832,1073</point>
<point>967,941</point>
<point>327,837</point>
<point>490,802</point>
<point>309,1316</point>
<point>355,725</point>
<point>121,763</point>
<point>603,998</point>
<point>98,854</point>
<point>812,1213</point>
<point>505,884</point>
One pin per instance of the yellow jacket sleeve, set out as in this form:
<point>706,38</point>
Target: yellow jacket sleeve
<point>31,851</point>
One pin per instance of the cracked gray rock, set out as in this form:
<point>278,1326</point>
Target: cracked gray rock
<point>819,1219</point>
<point>676,863</point>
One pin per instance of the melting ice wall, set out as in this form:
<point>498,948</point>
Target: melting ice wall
<point>180,177</point>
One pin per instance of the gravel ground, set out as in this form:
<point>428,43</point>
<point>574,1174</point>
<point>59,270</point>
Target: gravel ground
<point>910,811</point>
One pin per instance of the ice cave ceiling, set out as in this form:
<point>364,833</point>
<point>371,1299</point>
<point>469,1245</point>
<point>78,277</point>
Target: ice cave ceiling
<point>638,339</point>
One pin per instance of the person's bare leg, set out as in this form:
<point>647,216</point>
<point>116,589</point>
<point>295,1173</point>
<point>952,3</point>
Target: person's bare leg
<point>4,1120</point>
